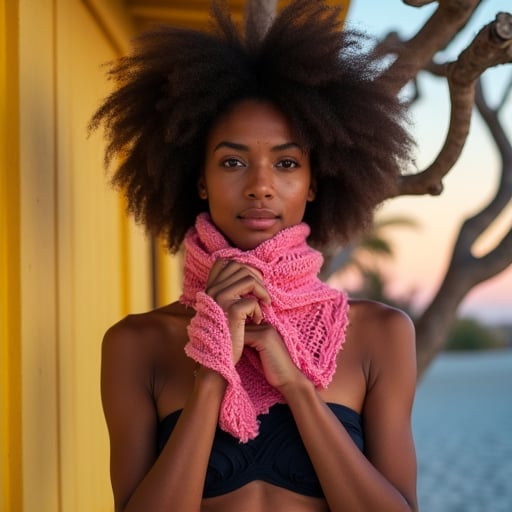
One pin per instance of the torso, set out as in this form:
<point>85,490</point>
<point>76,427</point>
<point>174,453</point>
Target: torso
<point>170,376</point>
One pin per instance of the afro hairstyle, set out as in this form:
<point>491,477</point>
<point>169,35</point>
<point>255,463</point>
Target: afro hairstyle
<point>177,82</point>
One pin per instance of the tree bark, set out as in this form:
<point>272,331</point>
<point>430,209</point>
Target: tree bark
<point>414,55</point>
<point>466,271</point>
<point>491,47</point>
<point>258,18</point>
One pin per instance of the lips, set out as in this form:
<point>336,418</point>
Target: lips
<point>259,219</point>
<point>258,213</point>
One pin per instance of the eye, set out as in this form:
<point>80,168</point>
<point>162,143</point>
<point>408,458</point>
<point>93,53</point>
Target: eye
<point>287,163</point>
<point>232,162</point>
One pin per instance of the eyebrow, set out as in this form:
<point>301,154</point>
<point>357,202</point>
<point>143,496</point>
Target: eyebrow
<point>243,147</point>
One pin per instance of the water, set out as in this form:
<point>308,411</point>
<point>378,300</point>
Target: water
<point>462,423</point>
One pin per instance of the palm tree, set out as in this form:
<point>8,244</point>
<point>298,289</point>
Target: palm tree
<point>362,258</point>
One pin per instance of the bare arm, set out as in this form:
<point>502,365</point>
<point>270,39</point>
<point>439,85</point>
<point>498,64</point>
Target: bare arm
<point>140,480</point>
<point>384,479</point>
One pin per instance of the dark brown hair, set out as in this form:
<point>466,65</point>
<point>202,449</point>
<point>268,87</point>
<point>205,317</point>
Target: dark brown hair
<point>176,83</point>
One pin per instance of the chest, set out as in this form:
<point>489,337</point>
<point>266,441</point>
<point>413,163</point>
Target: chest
<point>173,373</point>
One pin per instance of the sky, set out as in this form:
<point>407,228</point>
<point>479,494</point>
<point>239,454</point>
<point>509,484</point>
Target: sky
<point>422,254</point>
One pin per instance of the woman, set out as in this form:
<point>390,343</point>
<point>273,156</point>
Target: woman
<point>262,388</point>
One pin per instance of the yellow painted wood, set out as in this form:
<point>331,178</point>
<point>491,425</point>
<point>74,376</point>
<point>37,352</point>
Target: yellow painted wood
<point>10,307</point>
<point>103,266</point>
<point>38,257</point>
<point>111,17</point>
<point>138,262</point>
<point>194,13</point>
<point>80,264</point>
<point>170,275</point>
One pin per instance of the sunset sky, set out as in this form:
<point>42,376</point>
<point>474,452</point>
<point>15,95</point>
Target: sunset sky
<point>422,254</point>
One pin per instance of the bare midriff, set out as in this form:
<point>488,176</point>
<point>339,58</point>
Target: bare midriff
<point>260,496</point>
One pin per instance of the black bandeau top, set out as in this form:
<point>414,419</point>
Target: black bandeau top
<point>277,455</point>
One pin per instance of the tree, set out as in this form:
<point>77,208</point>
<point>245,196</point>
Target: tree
<point>364,252</point>
<point>491,46</point>
<point>470,334</point>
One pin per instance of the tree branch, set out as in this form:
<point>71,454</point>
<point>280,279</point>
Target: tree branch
<point>483,219</point>
<point>506,94</point>
<point>450,18</point>
<point>488,49</point>
<point>465,270</point>
<point>418,3</point>
<point>258,17</point>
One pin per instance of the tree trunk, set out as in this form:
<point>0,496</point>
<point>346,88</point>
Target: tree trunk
<point>258,17</point>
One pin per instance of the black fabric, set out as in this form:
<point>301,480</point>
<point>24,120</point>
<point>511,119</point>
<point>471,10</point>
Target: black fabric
<point>276,456</point>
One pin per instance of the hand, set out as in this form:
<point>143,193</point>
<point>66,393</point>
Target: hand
<point>279,369</point>
<point>238,290</point>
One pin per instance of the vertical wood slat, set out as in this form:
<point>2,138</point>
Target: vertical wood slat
<point>71,250</point>
<point>40,447</point>
<point>10,306</point>
<point>97,247</point>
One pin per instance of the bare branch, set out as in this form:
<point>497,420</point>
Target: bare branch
<point>466,271</point>
<point>463,274</point>
<point>436,69</point>
<point>418,3</point>
<point>449,19</point>
<point>389,45</point>
<point>504,26</point>
<point>497,260</point>
<point>476,225</point>
<point>506,94</point>
<point>488,49</point>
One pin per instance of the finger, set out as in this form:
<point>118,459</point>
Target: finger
<point>243,309</point>
<point>238,280</point>
<point>237,286</point>
<point>216,269</point>
<point>230,267</point>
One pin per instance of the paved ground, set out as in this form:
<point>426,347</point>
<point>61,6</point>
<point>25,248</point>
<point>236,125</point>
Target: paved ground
<point>463,429</point>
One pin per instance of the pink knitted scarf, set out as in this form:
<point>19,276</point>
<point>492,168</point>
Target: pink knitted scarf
<point>310,316</point>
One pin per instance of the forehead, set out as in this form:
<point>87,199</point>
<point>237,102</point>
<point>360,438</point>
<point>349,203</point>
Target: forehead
<point>253,119</point>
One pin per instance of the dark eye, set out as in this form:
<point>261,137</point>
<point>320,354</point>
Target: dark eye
<point>287,164</point>
<point>232,162</point>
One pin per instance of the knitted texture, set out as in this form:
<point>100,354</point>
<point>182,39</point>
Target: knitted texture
<point>310,316</point>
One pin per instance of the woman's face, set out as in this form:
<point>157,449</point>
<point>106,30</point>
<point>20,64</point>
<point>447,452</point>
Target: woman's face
<point>257,177</point>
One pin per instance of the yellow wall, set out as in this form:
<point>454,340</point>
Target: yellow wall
<point>70,262</point>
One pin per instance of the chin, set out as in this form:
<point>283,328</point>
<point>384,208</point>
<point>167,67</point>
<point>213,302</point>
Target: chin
<point>251,242</point>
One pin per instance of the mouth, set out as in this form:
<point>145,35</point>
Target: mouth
<point>259,219</point>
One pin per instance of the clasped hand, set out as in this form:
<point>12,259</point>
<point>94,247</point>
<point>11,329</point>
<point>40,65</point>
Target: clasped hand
<point>239,290</point>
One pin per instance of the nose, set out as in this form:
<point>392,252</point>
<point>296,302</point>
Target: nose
<point>260,182</point>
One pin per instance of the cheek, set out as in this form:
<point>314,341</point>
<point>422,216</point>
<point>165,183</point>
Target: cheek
<point>300,191</point>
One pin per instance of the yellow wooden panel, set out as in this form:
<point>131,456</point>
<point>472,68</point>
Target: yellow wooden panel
<point>138,269</point>
<point>10,313</point>
<point>194,13</point>
<point>95,279</point>
<point>38,263</point>
<point>170,275</point>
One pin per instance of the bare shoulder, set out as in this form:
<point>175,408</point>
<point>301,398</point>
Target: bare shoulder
<point>385,334</point>
<point>145,334</point>
<point>376,321</point>
<point>141,354</point>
